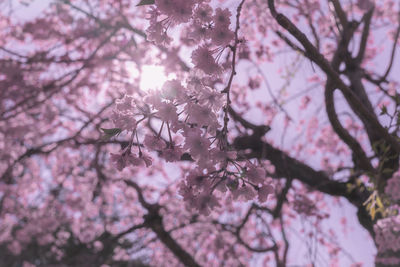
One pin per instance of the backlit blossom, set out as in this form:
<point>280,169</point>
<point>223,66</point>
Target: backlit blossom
<point>178,11</point>
<point>205,203</point>
<point>156,33</point>
<point>172,154</point>
<point>124,121</point>
<point>203,59</point>
<point>203,13</point>
<point>125,159</point>
<point>245,192</point>
<point>173,90</point>
<point>153,142</point>
<point>198,32</point>
<point>200,115</point>
<point>264,191</point>
<point>255,174</point>
<point>124,104</point>
<point>196,144</point>
<point>221,35</point>
<point>222,17</point>
<point>166,6</point>
<point>118,160</point>
<point>167,112</point>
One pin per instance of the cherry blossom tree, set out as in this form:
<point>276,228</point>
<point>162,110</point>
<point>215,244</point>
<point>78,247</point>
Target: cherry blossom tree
<point>271,113</point>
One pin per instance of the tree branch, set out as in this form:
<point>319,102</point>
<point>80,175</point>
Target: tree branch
<point>396,37</point>
<point>317,180</point>
<point>153,220</point>
<point>364,37</point>
<point>340,12</point>
<point>342,132</point>
<point>320,60</point>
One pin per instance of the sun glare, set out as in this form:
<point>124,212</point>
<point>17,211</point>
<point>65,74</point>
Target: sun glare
<point>153,77</point>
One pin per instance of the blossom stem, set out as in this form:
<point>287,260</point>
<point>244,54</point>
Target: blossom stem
<point>169,135</point>
<point>159,132</point>
<point>233,73</point>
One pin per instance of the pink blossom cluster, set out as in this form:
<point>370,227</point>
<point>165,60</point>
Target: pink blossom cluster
<point>392,188</point>
<point>387,237</point>
<point>39,229</point>
<point>189,113</point>
<point>188,125</point>
<point>210,29</point>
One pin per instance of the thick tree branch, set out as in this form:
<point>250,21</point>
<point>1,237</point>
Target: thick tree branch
<point>364,37</point>
<point>154,221</point>
<point>353,144</point>
<point>282,198</point>
<point>340,12</point>
<point>40,149</point>
<point>317,180</point>
<point>396,37</point>
<point>320,60</point>
<point>236,229</point>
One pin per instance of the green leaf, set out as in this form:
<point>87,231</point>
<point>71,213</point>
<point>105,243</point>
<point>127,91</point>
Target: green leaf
<point>112,131</point>
<point>108,133</point>
<point>145,2</point>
